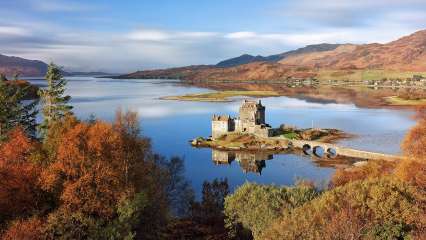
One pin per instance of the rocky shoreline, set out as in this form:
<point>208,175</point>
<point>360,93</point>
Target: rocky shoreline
<point>278,143</point>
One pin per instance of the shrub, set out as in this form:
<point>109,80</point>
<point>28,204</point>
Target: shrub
<point>381,208</point>
<point>256,206</point>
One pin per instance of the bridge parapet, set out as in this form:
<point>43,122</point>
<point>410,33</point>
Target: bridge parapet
<point>342,151</point>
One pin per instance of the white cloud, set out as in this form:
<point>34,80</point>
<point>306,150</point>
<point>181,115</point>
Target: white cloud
<point>158,35</point>
<point>13,31</point>
<point>241,35</point>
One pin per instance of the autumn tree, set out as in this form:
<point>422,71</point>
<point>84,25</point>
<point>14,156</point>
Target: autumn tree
<point>14,111</point>
<point>413,168</point>
<point>20,195</point>
<point>25,229</point>
<point>100,170</point>
<point>54,102</point>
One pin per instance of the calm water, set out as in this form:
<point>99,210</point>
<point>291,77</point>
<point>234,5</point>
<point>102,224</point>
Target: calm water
<point>170,124</point>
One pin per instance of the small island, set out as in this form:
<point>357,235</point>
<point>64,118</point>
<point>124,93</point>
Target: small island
<point>250,132</point>
<point>221,96</point>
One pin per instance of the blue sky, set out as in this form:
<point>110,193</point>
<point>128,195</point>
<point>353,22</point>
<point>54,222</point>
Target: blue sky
<point>129,35</point>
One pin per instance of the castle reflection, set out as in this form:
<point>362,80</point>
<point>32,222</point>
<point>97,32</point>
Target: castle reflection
<point>248,161</point>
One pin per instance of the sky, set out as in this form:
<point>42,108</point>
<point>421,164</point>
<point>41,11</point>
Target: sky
<point>129,35</point>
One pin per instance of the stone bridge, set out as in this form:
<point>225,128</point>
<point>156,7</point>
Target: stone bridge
<point>321,149</point>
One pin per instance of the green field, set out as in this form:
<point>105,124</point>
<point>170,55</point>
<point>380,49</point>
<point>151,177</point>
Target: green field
<point>221,96</point>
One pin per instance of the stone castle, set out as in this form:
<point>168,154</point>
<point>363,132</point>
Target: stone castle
<point>251,120</point>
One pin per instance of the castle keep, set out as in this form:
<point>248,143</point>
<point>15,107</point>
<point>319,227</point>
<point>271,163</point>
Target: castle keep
<point>251,120</point>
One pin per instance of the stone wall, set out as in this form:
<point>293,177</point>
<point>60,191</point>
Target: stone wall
<point>219,128</point>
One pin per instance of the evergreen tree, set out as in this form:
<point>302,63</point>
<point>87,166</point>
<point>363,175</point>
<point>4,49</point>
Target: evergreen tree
<point>14,111</point>
<point>16,76</point>
<point>55,104</point>
<point>2,77</point>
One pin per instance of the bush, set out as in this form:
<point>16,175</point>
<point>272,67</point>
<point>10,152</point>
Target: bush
<point>381,208</point>
<point>255,207</point>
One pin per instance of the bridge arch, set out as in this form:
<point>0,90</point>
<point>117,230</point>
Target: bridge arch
<point>331,152</point>
<point>307,149</point>
<point>318,151</point>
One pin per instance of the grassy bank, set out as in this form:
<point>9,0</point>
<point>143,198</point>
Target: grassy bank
<point>221,96</point>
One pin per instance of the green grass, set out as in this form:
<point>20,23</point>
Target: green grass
<point>290,135</point>
<point>221,96</point>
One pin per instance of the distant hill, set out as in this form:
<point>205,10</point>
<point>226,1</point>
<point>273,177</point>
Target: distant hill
<point>323,61</point>
<point>89,74</point>
<point>405,54</point>
<point>10,65</point>
<point>246,58</point>
<point>243,59</point>
<point>171,73</point>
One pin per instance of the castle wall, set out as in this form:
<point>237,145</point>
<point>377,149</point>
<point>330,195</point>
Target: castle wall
<point>219,128</point>
<point>263,131</point>
<point>251,120</point>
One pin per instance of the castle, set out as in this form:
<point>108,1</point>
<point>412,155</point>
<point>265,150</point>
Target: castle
<point>251,120</point>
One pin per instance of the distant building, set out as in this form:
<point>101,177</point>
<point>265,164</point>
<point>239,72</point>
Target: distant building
<point>251,120</point>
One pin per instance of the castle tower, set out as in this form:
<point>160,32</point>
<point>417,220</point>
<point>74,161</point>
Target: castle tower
<point>251,113</point>
<point>222,125</point>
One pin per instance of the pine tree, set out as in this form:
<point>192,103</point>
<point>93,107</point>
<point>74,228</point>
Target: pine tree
<point>14,111</point>
<point>55,104</point>
<point>2,77</point>
<point>16,76</point>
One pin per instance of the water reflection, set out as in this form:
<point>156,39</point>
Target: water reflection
<point>255,162</point>
<point>248,161</point>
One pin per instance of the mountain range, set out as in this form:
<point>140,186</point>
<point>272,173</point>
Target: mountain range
<point>11,65</point>
<point>246,58</point>
<point>407,54</point>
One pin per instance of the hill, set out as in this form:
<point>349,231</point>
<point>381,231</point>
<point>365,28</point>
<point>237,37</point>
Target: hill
<point>10,65</point>
<point>405,54</point>
<point>246,58</point>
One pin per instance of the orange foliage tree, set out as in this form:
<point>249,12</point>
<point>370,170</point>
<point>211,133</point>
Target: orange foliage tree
<point>20,194</point>
<point>95,166</point>
<point>30,229</point>
<point>413,168</point>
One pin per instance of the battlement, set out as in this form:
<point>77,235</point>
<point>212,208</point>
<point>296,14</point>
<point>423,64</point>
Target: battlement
<point>251,120</point>
<point>221,118</point>
<point>249,104</point>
